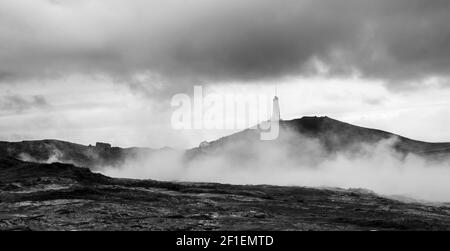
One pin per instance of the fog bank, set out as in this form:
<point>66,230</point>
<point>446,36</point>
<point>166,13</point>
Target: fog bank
<point>296,160</point>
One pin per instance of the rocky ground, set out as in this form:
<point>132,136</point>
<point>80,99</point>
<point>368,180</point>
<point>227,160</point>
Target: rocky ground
<point>64,197</point>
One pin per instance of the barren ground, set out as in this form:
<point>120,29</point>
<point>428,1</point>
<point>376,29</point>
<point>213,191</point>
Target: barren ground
<point>64,197</point>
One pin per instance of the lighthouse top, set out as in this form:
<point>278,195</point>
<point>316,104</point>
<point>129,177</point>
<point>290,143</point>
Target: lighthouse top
<point>276,109</point>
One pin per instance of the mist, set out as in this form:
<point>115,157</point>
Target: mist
<point>298,160</point>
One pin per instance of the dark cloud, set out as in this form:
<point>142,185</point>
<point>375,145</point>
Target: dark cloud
<point>180,43</point>
<point>16,103</point>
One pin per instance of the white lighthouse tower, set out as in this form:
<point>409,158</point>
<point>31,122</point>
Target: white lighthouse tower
<point>276,110</point>
<point>274,125</point>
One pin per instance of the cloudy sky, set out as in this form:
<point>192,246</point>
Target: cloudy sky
<point>106,70</point>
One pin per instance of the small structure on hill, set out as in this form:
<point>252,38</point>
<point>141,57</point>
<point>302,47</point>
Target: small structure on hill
<point>102,146</point>
<point>204,144</point>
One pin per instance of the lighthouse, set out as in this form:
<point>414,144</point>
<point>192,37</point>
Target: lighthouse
<point>274,123</point>
<point>276,110</point>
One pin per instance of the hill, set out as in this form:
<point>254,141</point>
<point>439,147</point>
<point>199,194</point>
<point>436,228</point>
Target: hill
<point>308,139</point>
<point>48,151</point>
<point>315,136</point>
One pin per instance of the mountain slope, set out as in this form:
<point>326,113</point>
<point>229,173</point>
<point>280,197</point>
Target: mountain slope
<point>307,137</point>
<point>48,151</point>
<point>330,134</point>
<point>336,134</point>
